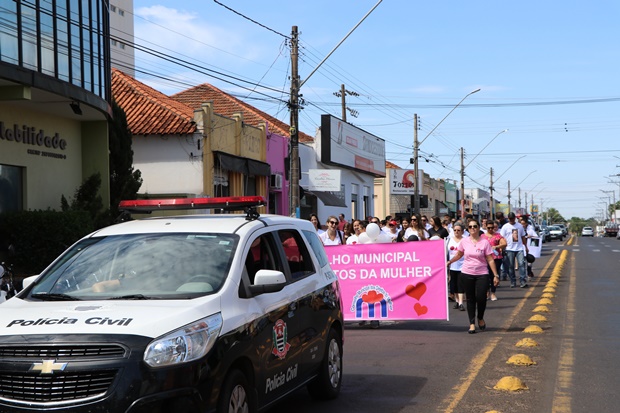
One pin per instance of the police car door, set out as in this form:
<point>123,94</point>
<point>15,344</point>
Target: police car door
<point>316,307</point>
<point>277,327</point>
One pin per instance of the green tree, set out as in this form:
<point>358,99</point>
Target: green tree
<point>124,180</point>
<point>554,217</point>
<point>86,198</point>
<point>612,211</point>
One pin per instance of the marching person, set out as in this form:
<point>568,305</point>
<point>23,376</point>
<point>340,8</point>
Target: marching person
<point>478,257</point>
<point>498,243</point>
<point>529,233</point>
<point>314,218</point>
<point>516,248</point>
<point>457,289</point>
<point>332,236</point>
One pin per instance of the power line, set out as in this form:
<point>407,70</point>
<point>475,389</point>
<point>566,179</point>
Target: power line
<point>252,20</point>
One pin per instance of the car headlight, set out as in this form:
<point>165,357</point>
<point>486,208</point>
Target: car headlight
<point>185,344</point>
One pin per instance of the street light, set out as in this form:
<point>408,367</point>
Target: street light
<point>491,175</point>
<point>528,175</point>
<point>519,186</point>
<point>416,148</point>
<point>486,146</point>
<point>613,193</point>
<point>511,165</point>
<point>503,173</point>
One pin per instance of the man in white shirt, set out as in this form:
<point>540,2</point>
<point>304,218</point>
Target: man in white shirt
<point>514,235</point>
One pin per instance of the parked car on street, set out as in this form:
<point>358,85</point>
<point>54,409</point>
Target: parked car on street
<point>556,232</point>
<point>193,313</point>
<point>544,233</point>
<point>611,229</point>
<point>563,228</point>
<point>587,232</point>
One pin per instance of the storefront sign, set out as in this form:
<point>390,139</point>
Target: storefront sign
<point>29,135</point>
<point>324,180</point>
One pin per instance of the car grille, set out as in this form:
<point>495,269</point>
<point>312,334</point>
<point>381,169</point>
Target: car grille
<point>59,387</point>
<point>23,386</point>
<point>62,352</point>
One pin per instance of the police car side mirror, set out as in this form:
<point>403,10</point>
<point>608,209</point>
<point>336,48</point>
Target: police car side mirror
<point>28,281</point>
<point>268,281</point>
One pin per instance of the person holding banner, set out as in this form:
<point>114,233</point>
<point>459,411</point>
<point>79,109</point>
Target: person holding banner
<point>478,257</point>
<point>457,288</point>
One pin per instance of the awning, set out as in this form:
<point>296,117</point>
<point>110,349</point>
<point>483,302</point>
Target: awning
<point>245,166</point>
<point>328,198</point>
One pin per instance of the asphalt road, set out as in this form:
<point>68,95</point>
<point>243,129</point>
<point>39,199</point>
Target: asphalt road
<point>435,366</point>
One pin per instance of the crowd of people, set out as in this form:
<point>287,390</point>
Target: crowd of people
<point>479,254</point>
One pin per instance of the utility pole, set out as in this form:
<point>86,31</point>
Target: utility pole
<point>519,197</point>
<point>344,102</point>
<point>509,208</point>
<point>462,182</point>
<point>294,108</point>
<point>525,198</point>
<point>491,193</point>
<point>416,189</point>
<point>342,94</point>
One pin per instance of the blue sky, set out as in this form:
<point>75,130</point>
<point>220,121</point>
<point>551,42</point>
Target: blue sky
<point>548,72</point>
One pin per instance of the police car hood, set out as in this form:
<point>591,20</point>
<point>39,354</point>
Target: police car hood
<point>151,318</point>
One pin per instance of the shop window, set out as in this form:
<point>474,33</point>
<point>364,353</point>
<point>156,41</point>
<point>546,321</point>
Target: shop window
<point>11,188</point>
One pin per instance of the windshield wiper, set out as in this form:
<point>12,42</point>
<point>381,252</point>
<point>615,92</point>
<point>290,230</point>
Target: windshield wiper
<point>131,297</point>
<point>55,297</point>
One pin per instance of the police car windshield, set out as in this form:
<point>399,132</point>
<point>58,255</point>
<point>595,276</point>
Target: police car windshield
<point>158,266</point>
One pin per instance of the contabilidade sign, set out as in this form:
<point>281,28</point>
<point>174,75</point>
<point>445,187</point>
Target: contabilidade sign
<point>28,135</point>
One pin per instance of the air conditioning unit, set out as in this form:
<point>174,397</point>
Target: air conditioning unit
<point>276,181</point>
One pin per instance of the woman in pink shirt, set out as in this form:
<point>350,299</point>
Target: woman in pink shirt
<point>474,272</point>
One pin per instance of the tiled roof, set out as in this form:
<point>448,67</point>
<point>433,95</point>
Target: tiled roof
<point>148,111</point>
<point>226,105</point>
<point>389,164</point>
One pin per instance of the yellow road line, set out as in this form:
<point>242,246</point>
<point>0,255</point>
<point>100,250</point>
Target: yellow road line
<point>452,401</point>
<point>562,395</point>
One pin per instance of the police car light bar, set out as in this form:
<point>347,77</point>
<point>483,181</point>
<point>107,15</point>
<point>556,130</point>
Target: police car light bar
<point>229,203</point>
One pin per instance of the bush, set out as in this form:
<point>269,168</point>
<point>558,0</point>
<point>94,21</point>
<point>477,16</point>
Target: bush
<point>40,236</point>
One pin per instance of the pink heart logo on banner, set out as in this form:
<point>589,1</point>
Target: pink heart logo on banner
<point>420,309</point>
<point>416,291</point>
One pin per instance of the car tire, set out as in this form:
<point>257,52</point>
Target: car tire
<point>237,395</point>
<point>326,386</point>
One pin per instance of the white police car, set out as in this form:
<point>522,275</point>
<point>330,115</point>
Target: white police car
<point>199,313</point>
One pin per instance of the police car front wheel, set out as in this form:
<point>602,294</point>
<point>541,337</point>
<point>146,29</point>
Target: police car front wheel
<point>236,395</point>
<point>327,384</point>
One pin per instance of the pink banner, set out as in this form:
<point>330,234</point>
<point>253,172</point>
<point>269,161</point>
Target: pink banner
<point>395,281</point>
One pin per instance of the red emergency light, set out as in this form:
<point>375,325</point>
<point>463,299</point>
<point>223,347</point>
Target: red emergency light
<point>229,203</point>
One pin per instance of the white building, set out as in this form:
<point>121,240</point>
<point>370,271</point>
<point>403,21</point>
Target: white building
<point>122,52</point>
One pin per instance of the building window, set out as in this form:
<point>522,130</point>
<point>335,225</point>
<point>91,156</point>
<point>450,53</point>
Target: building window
<point>121,12</point>
<point>11,188</point>
<point>112,8</point>
<point>63,39</point>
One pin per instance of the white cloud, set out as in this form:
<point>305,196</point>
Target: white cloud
<point>190,34</point>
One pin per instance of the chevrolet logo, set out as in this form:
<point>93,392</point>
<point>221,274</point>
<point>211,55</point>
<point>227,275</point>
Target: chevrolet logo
<point>48,367</point>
